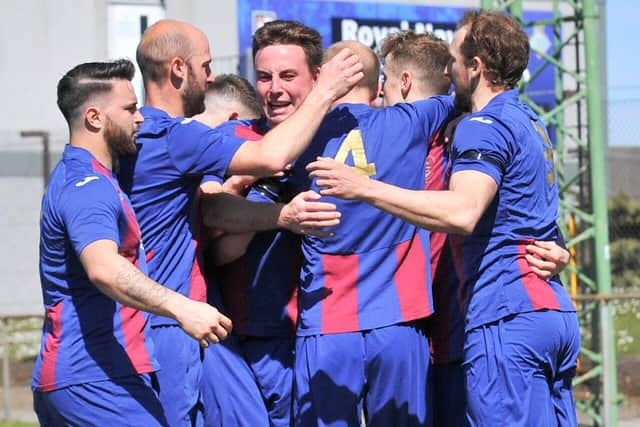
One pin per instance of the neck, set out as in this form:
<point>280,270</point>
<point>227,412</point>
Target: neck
<point>417,95</point>
<point>165,98</point>
<point>357,95</point>
<point>95,144</point>
<point>483,94</point>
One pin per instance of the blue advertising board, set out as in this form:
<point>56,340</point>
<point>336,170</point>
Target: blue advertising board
<point>370,22</point>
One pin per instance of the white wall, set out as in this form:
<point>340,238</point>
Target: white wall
<point>39,41</point>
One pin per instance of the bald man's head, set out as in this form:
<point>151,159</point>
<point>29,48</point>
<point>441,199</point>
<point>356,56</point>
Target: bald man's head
<point>368,58</point>
<point>175,61</point>
<point>163,41</point>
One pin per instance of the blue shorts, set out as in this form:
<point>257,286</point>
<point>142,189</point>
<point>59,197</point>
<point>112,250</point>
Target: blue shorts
<point>449,395</point>
<point>383,373</point>
<point>119,402</point>
<point>519,370</point>
<point>271,360</point>
<point>230,393</point>
<point>179,376</point>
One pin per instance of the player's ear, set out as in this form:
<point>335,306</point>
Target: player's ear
<point>476,66</point>
<point>177,70</point>
<point>94,118</point>
<point>406,80</point>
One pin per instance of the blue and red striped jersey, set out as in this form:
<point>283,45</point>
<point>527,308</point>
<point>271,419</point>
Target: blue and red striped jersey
<point>446,325</point>
<point>162,180</point>
<point>375,269</point>
<point>260,288</point>
<point>87,336</point>
<point>507,141</point>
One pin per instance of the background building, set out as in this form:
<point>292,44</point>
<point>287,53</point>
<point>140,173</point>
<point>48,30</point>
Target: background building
<point>42,39</point>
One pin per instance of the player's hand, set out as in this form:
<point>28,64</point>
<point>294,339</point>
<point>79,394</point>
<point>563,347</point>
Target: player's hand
<point>337,179</point>
<point>304,214</point>
<point>339,74</point>
<point>210,187</point>
<point>238,184</point>
<point>546,259</point>
<point>204,323</point>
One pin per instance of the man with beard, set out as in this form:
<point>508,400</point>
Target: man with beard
<point>415,69</point>
<point>162,180</point>
<point>521,332</point>
<point>97,362</point>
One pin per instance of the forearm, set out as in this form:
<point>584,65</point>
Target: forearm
<point>287,141</point>
<point>133,288</point>
<point>284,143</point>
<point>116,277</point>
<point>235,214</point>
<point>456,210</point>
<point>119,279</point>
<point>434,210</point>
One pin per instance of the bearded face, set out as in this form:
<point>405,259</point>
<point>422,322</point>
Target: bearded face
<point>462,101</point>
<point>120,141</point>
<point>193,95</point>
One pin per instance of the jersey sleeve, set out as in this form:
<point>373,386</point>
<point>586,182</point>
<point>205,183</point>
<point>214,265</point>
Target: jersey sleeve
<point>197,149</point>
<point>90,211</point>
<point>481,144</point>
<point>434,112</point>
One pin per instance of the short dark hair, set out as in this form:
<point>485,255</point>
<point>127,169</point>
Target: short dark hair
<point>500,42</point>
<point>426,54</point>
<point>290,32</point>
<point>86,80</point>
<point>237,88</point>
<point>154,53</point>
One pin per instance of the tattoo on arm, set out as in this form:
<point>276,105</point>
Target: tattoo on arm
<point>140,290</point>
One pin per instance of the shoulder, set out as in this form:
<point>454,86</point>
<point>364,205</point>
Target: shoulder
<point>85,188</point>
<point>244,129</point>
<point>481,123</point>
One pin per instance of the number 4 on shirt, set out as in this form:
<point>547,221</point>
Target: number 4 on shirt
<point>353,144</point>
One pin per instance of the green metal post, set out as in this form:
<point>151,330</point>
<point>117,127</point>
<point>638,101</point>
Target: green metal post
<point>487,4</point>
<point>600,212</point>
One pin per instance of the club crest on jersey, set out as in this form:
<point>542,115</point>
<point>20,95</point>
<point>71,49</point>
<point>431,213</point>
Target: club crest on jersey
<point>481,120</point>
<point>86,181</point>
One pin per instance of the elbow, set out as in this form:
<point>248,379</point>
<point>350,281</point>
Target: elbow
<point>272,162</point>
<point>464,223</point>
<point>99,277</point>
<point>228,249</point>
<point>228,256</point>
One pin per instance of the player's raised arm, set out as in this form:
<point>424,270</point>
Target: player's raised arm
<point>288,140</point>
